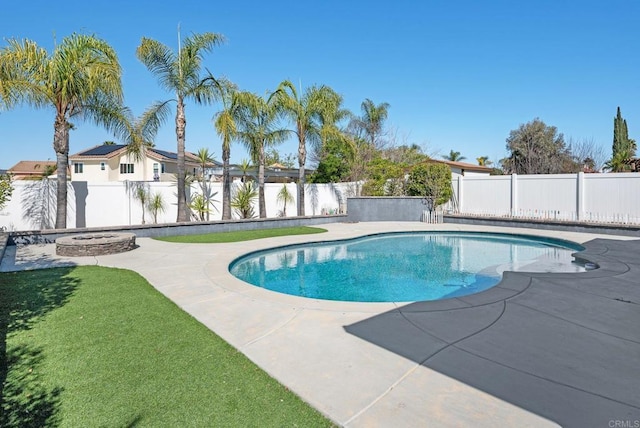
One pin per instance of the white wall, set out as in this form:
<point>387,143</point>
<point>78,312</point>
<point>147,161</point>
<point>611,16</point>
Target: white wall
<point>98,204</point>
<point>608,198</point>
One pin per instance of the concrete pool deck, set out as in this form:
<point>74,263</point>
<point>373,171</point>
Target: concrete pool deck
<point>536,350</point>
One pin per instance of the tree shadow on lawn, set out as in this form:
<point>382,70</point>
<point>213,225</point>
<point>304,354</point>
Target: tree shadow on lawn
<point>25,298</point>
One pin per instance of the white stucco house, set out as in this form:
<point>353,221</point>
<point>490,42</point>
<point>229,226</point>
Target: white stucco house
<point>110,162</point>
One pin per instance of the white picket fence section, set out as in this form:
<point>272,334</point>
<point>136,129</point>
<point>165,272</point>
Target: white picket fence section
<point>612,198</point>
<point>432,217</point>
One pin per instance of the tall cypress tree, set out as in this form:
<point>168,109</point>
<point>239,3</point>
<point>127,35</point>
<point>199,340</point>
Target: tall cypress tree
<point>621,141</point>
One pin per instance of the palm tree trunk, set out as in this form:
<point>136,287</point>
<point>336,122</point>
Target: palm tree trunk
<point>226,185</point>
<point>261,201</point>
<point>181,124</point>
<point>302,157</point>
<point>61,147</point>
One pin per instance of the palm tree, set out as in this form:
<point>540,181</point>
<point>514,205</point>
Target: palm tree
<point>180,73</point>
<point>285,197</point>
<point>156,205</point>
<point>620,162</point>
<point>331,115</point>
<point>454,156</point>
<point>81,78</point>
<point>141,193</point>
<point>484,161</point>
<point>256,128</point>
<point>305,111</point>
<point>370,124</point>
<point>138,133</point>
<point>245,166</point>
<point>205,158</point>
<point>225,124</point>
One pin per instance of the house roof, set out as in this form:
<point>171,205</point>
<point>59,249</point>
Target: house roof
<point>107,151</point>
<point>31,167</point>
<point>463,165</point>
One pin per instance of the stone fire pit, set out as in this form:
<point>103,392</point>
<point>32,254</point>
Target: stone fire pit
<point>95,244</point>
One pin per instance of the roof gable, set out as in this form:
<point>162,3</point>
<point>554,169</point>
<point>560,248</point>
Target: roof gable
<point>463,165</point>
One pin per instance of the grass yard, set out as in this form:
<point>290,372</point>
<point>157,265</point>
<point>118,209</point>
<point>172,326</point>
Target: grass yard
<point>244,235</point>
<point>95,346</point>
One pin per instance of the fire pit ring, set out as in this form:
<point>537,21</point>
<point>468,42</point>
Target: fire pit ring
<point>95,244</point>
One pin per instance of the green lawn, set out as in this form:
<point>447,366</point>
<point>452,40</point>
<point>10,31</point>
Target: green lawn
<point>94,346</point>
<point>244,235</point>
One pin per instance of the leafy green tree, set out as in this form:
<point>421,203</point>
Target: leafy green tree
<point>454,156</point>
<point>6,190</point>
<point>622,144</point>
<point>180,73</point>
<point>335,163</point>
<point>257,121</point>
<point>431,181</point>
<point>536,148</point>
<point>81,79</point>
<point>272,156</point>
<point>407,155</point>
<point>384,178</point>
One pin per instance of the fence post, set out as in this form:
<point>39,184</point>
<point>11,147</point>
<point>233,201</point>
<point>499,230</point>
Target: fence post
<point>460,195</point>
<point>580,196</point>
<point>514,195</point>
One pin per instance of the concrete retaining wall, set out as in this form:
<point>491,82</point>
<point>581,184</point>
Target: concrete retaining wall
<point>173,229</point>
<point>385,208</point>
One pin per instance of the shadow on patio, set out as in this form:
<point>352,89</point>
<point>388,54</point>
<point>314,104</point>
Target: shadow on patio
<point>563,346</point>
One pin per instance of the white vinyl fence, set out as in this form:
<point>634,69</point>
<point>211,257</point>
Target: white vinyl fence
<point>598,198</point>
<point>98,204</point>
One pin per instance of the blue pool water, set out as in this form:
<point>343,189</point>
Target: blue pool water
<point>402,267</point>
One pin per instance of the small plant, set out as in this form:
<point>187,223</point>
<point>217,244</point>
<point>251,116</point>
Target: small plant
<point>285,197</point>
<point>141,193</point>
<point>156,205</point>
<point>242,201</point>
<point>199,207</point>
<point>6,190</point>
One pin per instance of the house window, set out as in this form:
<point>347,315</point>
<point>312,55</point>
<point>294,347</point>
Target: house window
<point>77,168</point>
<point>102,166</point>
<point>126,168</point>
<point>162,170</point>
<point>156,176</point>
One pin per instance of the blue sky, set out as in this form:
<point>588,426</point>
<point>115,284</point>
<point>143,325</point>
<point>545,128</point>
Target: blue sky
<point>458,74</point>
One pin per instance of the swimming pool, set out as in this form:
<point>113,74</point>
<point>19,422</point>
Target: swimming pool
<point>402,267</point>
